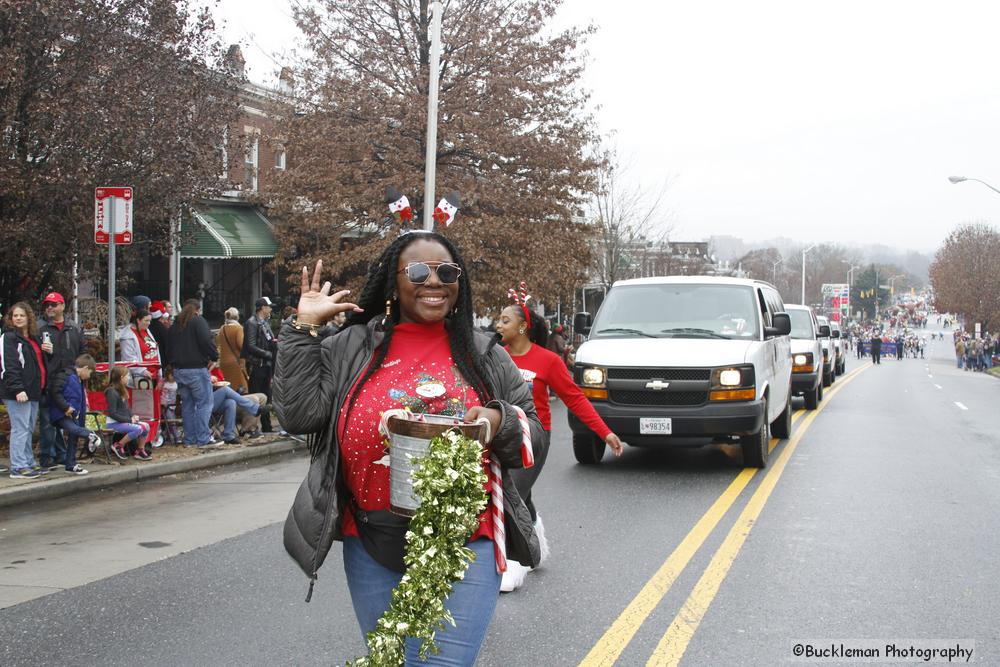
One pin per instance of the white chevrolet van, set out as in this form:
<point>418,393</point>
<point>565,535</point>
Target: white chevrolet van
<point>683,357</point>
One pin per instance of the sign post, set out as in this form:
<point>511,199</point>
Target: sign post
<point>112,225</point>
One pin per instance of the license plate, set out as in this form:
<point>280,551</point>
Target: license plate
<point>655,426</point>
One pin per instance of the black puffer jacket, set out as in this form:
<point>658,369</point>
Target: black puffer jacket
<point>67,344</point>
<point>311,383</point>
<point>19,369</point>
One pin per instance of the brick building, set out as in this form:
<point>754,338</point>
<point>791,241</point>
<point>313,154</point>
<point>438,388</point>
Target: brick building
<point>226,245</point>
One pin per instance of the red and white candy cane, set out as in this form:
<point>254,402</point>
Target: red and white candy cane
<point>496,513</point>
<point>496,490</point>
<point>527,453</point>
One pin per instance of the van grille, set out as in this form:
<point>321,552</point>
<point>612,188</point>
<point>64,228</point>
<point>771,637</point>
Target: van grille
<point>704,374</point>
<point>624,397</point>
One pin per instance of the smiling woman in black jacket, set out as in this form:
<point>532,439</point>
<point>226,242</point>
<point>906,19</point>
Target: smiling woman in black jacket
<point>22,381</point>
<point>422,354</point>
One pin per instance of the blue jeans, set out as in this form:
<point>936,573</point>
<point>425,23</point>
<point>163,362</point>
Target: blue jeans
<point>225,400</point>
<point>73,428</point>
<point>51,446</point>
<point>194,386</point>
<point>472,602</point>
<point>22,424</point>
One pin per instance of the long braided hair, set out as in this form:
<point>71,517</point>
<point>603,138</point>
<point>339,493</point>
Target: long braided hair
<point>380,286</point>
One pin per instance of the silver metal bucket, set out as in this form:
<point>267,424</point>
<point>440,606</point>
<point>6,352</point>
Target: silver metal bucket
<point>409,439</point>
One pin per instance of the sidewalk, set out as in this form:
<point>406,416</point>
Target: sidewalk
<point>167,460</point>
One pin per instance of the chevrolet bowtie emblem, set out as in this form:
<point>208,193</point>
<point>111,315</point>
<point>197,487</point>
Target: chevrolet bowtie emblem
<point>657,385</point>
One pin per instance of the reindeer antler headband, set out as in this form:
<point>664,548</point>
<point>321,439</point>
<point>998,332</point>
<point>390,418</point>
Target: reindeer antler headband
<point>520,298</point>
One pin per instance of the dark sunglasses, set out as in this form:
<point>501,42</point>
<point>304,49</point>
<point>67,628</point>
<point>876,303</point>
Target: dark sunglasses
<point>419,272</point>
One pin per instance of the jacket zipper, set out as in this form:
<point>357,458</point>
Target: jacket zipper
<point>328,521</point>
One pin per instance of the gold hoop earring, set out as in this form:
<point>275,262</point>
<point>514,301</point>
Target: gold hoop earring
<point>388,308</point>
<point>521,331</point>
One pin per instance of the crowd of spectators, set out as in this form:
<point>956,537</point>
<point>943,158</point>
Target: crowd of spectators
<point>45,374</point>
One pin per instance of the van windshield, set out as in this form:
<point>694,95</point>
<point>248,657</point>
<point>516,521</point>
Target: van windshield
<point>801,324</point>
<point>678,311</point>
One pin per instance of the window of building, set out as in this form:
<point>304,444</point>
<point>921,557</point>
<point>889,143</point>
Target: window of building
<point>222,151</point>
<point>251,160</point>
<point>279,158</point>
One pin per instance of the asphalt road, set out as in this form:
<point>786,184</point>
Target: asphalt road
<point>878,520</point>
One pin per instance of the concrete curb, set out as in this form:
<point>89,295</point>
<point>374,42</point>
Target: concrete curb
<point>31,491</point>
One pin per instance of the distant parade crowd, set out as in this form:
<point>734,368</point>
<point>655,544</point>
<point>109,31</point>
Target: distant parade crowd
<point>899,336</point>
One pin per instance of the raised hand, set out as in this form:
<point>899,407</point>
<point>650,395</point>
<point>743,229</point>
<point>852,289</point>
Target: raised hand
<point>316,304</point>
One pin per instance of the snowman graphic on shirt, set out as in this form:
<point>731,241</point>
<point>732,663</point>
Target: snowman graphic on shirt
<point>430,395</point>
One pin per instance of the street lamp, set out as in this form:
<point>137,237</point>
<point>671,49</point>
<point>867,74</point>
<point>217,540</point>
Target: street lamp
<point>804,272</point>
<point>850,284</point>
<point>850,273</point>
<point>774,270</point>
<point>962,179</point>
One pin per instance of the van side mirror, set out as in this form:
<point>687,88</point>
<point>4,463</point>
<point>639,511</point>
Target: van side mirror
<point>781,325</point>
<point>824,331</point>
<point>581,323</point>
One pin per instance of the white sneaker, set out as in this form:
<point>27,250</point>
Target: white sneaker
<point>93,443</point>
<point>513,577</point>
<point>543,544</point>
<point>77,470</point>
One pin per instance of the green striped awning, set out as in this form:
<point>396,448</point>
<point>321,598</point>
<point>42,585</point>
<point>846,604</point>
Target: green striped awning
<point>228,231</point>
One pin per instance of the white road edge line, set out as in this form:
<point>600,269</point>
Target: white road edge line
<point>961,406</point>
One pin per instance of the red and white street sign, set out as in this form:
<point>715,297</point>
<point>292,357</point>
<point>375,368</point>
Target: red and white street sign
<point>121,198</point>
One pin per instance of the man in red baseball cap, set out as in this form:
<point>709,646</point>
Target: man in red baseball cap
<point>62,343</point>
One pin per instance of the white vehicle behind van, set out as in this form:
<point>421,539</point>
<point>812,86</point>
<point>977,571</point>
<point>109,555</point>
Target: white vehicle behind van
<point>685,357</point>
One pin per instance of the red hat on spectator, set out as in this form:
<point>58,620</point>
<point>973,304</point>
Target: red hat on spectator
<point>53,297</point>
<point>157,309</point>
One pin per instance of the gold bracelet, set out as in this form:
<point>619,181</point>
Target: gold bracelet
<point>313,329</point>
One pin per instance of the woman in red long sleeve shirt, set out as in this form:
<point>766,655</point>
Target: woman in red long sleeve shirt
<point>525,335</point>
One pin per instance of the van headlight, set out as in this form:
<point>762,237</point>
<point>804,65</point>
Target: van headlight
<point>594,376</point>
<point>736,383</point>
<point>730,377</point>
<point>802,363</point>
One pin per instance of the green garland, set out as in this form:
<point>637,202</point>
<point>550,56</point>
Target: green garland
<point>450,483</point>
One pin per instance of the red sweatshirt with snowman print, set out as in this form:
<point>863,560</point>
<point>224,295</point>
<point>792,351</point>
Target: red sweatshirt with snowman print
<point>418,373</point>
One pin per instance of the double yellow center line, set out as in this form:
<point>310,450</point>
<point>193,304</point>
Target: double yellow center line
<point>674,643</point>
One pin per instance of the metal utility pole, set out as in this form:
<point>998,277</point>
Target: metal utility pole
<point>435,8</point>
<point>112,211</point>
<point>804,272</point>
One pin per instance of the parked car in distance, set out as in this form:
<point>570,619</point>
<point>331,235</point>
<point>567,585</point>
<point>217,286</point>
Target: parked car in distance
<point>807,355</point>
<point>829,354</point>
<point>684,357</point>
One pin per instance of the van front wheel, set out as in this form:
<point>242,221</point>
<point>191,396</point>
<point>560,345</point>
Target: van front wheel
<point>757,446</point>
<point>588,448</point>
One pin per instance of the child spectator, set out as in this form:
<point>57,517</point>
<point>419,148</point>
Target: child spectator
<point>168,405</point>
<point>68,409</point>
<point>121,419</point>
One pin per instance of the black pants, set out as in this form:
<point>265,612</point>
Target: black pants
<point>876,356</point>
<point>524,479</point>
<point>260,383</point>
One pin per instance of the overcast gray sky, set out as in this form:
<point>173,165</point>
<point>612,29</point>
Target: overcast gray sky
<point>809,120</point>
